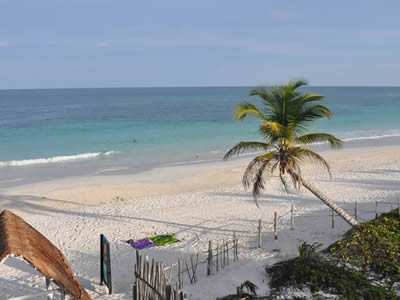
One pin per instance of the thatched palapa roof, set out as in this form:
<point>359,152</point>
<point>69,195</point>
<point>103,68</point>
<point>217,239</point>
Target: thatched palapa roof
<point>18,238</point>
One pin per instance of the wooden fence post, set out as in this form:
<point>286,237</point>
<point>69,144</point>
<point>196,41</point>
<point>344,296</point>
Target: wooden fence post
<point>217,258</point>
<point>276,225</point>
<point>180,271</point>
<point>227,253</point>
<point>237,248</point>
<point>355,210</point>
<point>376,209</point>
<point>333,218</point>
<point>234,246</point>
<point>291,218</point>
<point>48,283</point>
<point>259,233</point>
<point>398,205</point>
<point>223,254</point>
<point>209,260</point>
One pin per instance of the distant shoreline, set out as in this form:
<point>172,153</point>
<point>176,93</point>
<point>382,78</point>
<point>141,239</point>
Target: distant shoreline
<point>88,165</point>
<point>93,189</point>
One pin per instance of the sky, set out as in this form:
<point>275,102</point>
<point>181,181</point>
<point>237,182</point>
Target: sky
<point>128,43</point>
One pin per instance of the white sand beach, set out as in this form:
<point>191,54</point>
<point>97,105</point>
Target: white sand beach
<point>198,203</point>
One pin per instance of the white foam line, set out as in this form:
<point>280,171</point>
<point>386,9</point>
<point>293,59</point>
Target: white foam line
<point>56,159</point>
<point>110,170</point>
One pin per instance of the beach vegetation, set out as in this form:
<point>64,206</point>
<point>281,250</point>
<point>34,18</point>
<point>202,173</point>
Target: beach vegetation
<point>313,272</point>
<point>250,294</point>
<point>373,246</point>
<point>285,118</point>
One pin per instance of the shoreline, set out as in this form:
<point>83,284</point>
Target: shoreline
<point>122,164</point>
<point>84,191</point>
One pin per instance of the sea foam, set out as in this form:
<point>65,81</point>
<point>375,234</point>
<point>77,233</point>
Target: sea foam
<point>56,159</point>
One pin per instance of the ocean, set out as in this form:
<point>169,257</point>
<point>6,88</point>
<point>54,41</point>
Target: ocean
<point>49,133</point>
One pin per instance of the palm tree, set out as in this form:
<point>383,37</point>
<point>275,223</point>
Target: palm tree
<point>285,115</point>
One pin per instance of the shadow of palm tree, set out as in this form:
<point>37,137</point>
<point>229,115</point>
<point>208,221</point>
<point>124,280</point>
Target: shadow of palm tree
<point>371,184</point>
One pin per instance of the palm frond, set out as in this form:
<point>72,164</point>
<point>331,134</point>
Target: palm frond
<point>284,182</point>
<point>295,84</point>
<point>250,171</point>
<point>301,153</point>
<point>317,137</point>
<point>295,175</point>
<point>250,287</point>
<point>246,146</point>
<point>244,109</point>
<point>275,130</point>
<point>268,98</point>
<point>313,112</point>
<point>307,98</point>
<point>258,184</point>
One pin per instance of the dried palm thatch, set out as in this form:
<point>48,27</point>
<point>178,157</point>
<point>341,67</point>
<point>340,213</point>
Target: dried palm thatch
<point>18,238</point>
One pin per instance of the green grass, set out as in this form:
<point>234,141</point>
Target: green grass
<point>373,245</point>
<point>312,270</point>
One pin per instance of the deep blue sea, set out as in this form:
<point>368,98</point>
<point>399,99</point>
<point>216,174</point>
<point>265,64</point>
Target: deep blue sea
<point>97,131</point>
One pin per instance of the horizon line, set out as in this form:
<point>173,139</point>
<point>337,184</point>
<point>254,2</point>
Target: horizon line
<point>190,86</point>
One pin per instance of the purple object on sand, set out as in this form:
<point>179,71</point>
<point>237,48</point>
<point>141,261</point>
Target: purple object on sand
<point>142,244</point>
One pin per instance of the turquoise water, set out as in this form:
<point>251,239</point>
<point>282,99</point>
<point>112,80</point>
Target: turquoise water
<point>47,129</point>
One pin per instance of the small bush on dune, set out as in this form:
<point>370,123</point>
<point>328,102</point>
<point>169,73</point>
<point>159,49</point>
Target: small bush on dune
<point>373,245</point>
<point>313,271</point>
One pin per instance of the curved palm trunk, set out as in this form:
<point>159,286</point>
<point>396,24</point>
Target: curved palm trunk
<point>349,219</point>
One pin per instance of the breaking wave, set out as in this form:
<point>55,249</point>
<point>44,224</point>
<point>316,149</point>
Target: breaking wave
<point>56,159</point>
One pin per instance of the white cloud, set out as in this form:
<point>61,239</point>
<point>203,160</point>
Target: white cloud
<point>4,44</point>
<point>103,45</point>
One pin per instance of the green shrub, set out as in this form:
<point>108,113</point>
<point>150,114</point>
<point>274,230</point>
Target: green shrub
<point>373,245</point>
<point>318,274</point>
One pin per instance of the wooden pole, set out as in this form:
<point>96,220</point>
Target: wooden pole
<point>227,253</point>
<point>291,217</point>
<point>355,210</point>
<point>237,248</point>
<point>223,253</point>
<point>209,260</point>
<point>234,246</point>
<point>333,218</point>
<point>376,209</point>
<point>391,205</point>
<point>48,282</point>
<point>180,271</point>
<point>217,262</point>
<point>259,233</point>
<point>101,260</point>
<point>398,206</point>
<point>195,267</point>
<point>275,225</point>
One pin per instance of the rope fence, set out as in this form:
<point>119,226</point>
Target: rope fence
<point>351,209</point>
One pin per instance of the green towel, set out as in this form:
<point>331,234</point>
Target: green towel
<point>161,240</point>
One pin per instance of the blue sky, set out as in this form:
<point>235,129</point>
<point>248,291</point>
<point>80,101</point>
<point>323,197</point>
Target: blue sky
<point>98,43</point>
